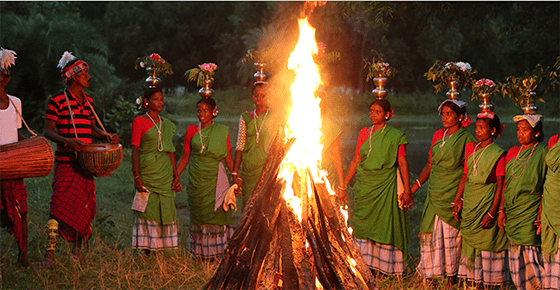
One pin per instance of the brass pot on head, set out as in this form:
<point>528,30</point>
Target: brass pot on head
<point>206,91</point>
<point>530,108</point>
<point>453,93</point>
<point>486,106</point>
<point>152,80</point>
<point>380,92</point>
<point>260,75</point>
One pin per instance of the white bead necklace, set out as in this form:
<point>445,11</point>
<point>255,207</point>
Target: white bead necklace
<point>262,124</point>
<point>518,162</point>
<point>443,138</point>
<point>200,136</point>
<point>475,161</point>
<point>371,132</point>
<point>159,141</point>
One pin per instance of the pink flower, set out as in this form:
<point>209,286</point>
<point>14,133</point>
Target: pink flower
<point>142,64</point>
<point>209,67</point>
<point>154,56</point>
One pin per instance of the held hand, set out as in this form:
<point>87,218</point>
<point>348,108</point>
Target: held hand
<point>342,195</point>
<point>176,185</point>
<point>75,144</point>
<point>457,207</point>
<point>406,200</point>
<point>487,222</point>
<point>237,180</point>
<point>502,220</point>
<point>538,224</point>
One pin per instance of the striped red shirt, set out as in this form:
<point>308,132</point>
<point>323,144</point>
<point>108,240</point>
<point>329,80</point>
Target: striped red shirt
<point>57,111</point>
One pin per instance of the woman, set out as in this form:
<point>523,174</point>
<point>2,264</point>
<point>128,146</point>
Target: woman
<point>206,145</point>
<point>153,166</point>
<point>440,242</point>
<point>550,216</point>
<point>478,198</point>
<point>521,196</point>
<point>380,227</point>
<point>252,144</point>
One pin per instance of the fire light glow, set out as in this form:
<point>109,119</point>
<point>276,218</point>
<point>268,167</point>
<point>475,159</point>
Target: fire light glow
<point>304,122</point>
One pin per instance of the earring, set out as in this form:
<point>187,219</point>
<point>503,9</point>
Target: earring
<point>386,118</point>
<point>536,135</point>
<point>460,119</point>
<point>492,133</point>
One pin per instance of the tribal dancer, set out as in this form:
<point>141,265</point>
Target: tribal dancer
<point>73,203</point>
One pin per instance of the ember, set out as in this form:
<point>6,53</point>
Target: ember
<point>292,234</point>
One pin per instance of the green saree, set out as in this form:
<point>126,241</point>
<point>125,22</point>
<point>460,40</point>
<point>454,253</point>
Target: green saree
<point>377,216</point>
<point>477,201</point>
<point>446,173</point>
<point>522,196</point>
<point>203,175</point>
<point>254,155</point>
<point>156,171</point>
<point>550,217</point>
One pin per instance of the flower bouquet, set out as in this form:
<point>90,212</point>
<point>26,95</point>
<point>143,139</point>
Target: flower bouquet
<point>443,73</point>
<point>378,68</point>
<point>322,57</point>
<point>484,86</point>
<point>154,62</point>
<point>522,90</point>
<point>201,73</point>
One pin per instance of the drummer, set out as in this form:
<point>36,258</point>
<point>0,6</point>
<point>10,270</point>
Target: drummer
<point>72,203</point>
<point>13,195</point>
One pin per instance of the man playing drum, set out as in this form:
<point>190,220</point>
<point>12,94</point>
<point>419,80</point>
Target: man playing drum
<point>13,195</point>
<point>73,203</point>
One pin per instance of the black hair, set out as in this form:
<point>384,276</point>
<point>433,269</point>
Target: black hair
<point>384,104</point>
<point>208,101</point>
<point>539,129</point>
<point>494,124</point>
<point>458,110</point>
<point>150,92</point>
<point>257,85</point>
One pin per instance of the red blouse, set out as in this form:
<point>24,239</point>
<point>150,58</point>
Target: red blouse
<point>140,126</point>
<point>364,135</point>
<point>498,170</point>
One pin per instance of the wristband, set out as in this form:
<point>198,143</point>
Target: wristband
<point>234,173</point>
<point>418,181</point>
<point>490,215</point>
<point>342,188</point>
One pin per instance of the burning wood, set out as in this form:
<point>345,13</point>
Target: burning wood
<point>292,234</point>
<point>272,249</point>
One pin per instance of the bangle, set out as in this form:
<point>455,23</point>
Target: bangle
<point>490,215</point>
<point>418,181</point>
<point>135,170</point>
<point>342,188</point>
<point>66,142</point>
<point>136,176</point>
<point>234,173</point>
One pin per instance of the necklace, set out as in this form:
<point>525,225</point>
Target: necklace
<point>159,142</point>
<point>200,136</point>
<point>262,124</point>
<point>371,132</point>
<point>443,138</point>
<point>518,162</point>
<point>475,161</point>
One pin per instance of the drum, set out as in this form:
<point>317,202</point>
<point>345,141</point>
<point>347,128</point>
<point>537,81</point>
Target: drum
<point>28,158</point>
<point>101,159</point>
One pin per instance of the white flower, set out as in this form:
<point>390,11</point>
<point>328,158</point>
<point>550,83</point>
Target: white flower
<point>464,66</point>
<point>7,58</point>
<point>142,64</point>
<point>138,101</point>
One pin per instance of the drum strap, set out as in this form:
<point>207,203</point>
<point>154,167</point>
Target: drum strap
<point>19,113</point>
<point>72,114</point>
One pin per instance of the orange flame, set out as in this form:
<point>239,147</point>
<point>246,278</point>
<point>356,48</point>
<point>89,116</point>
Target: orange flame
<point>304,122</point>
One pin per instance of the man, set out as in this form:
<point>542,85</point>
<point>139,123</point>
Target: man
<point>13,195</point>
<point>73,203</point>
